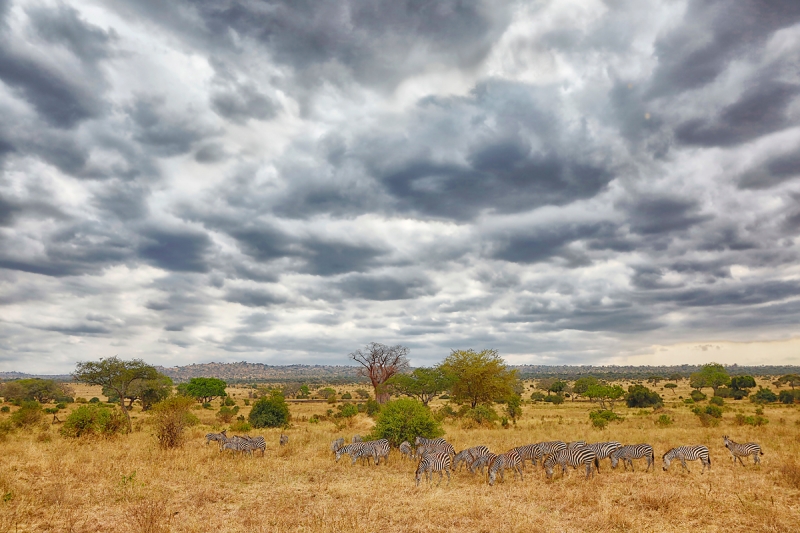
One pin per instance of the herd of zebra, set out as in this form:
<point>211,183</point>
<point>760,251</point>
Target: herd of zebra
<point>242,443</point>
<point>438,455</point>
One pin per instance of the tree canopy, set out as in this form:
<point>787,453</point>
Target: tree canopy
<point>478,377</point>
<point>582,385</point>
<point>40,390</point>
<point>711,375</point>
<point>203,389</point>
<point>793,380</point>
<point>380,362</point>
<point>423,383</point>
<point>116,375</point>
<point>605,395</point>
<point>270,411</point>
<point>404,420</point>
<point>641,396</point>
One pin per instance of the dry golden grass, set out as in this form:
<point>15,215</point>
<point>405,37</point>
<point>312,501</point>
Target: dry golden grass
<point>48,483</point>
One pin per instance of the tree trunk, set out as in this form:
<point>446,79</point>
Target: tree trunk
<point>125,411</point>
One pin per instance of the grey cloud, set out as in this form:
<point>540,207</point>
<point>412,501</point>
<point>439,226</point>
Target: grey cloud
<point>667,214</point>
<point>541,244</point>
<point>124,200</point>
<point>210,153</point>
<point>162,133</point>
<point>244,103</point>
<point>772,172</point>
<point>384,287</point>
<point>253,297</point>
<point>179,251</point>
<point>326,258</point>
<point>63,25</point>
<point>761,110</point>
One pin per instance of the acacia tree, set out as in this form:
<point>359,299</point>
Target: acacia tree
<point>479,377</point>
<point>380,362</point>
<point>711,375</point>
<point>423,383</point>
<point>116,375</point>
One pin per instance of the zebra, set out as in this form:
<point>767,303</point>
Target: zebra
<point>464,456</point>
<point>574,457</point>
<point>220,437</point>
<point>422,441</point>
<point>633,451</point>
<point>238,445</point>
<point>380,449</point>
<point>254,443</point>
<point>469,456</point>
<point>603,449</point>
<point>338,443</point>
<point>357,438</point>
<point>743,450</point>
<point>434,462</point>
<point>527,453</point>
<point>510,459</point>
<point>355,451</point>
<point>439,447</point>
<point>688,453</point>
<point>482,461</point>
<point>546,448</point>
<point>406,450</point>
<point>575,444</point>
<point>284,440</point>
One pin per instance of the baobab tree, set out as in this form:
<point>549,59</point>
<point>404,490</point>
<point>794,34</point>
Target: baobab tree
<point>380,362</point>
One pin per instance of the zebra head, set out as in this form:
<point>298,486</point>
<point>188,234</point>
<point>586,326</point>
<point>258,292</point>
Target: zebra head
<point>727,441</point>
<point>614,460</point>
<point>666,462</point>
<point>418,475</point>
<point>339,452</point>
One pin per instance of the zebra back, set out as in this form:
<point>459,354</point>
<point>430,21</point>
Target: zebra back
<point>510,459</point>
<point>445,447</point>
<point>629,452</point>
<point>571,457</point>
<point>406,449</point>
<point>688,453</point>
<point>743,450</point>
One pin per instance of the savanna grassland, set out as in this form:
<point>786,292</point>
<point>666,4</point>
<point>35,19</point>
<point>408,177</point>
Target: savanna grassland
<point>126,483</point>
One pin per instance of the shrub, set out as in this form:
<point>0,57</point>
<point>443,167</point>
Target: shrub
<point>171,416</point>
<point>347,396</point>
<point>446,411</point>
<point>314,419</point>
<point>444,397</point>
<point>664,421</point>
<point>641,396</point>
<point>206,405</point>
<point>270,412</point>
<point>757,420</point>
<point>241,426</point>
<point>601,417</point>
<point>698,396</point>
<point>246,401</point>
<point>332,399</point>
<point>764,396</point>
<point>714,411</point>
<point>373,407</point>
<point>405,419</point>
<point>5,409</point>
<point>225,414</point>
<point>481,415</point>
<point>80,400</point>
<point>688,401</point>
<point>229,402</point>
<point>716,400</point>
<point>61,405</point>
<point>554,399</point>
<point>538,396</point>
<point>363,394</point>
<point>347,410</point>
<point>789,396</point>
<point>28,414</point>
<point>707,420</point>
<point>95,400</point>
<point>65,399</point>
<point>93,420</point>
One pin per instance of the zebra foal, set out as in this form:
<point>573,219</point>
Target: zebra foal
<point>284,440</point>
<point>434,462</point>
<point>743,450</point>
<point>633,451</point>
<point>688,453</point>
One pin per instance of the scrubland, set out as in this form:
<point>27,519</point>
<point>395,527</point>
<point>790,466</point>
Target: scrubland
<point>50,483</point>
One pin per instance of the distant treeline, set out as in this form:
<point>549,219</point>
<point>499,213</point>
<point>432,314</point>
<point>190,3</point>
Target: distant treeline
<point>571,373</point>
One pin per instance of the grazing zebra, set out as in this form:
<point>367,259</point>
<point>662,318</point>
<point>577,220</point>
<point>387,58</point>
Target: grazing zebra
<point>743,450</point>
<point>547,448</point>
<point>220,438</point>
<point>469,456</point>
<point>575,444</point>
<point>422,441</point>
<point>527,453</point>
<point>238,445</point>
<point>254,443</point>
<point>434,462</point>
<point>482,461</point>
<point>406,450</point>
<point>380,449</point>
<point>355,451</point>
<point>338,443</point>
<point>604,450</point>
<point>633,451</point>
<point>462,457</point>
<point>688,453</point>
<point>574,457</point>
<point>357,438</point>
<point>510,459</point>
<point>284,440</point>
<point>445,447</point>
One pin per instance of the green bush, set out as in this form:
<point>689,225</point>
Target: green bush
<point>698,396</point>
<point>93,420</point>
<point>373,408</point>
<point>207,405</point>
<point>726,392</point>
<point>241,426</point>
<point>764,396</point>
<point>229,402</point>
<point>601,417</point>
<point>347,396</point>
<point>481,415</point>
<point>404,420</point>
<point>688,401</point>
<point>271,412</point>
<point>65,399</point>
<point>641,396</point>
<point>28,414</point>
<point>742,420</point>
<point>314,419</point>
<point>716,400</point>
<point>95,400</point>
<point>446,411</point>
<point>81,400</point>
<point>789,396</point>
<point>5,409</point>
<point>664,421</point>
<point>225,414</point>
<point>61,405</point>
<point>347,410</point>
<point>555,399</point>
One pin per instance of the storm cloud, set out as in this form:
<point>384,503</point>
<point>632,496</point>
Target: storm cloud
<point>286,181</point>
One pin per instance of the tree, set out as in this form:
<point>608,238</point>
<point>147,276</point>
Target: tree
<point>711,375</point>
<point>423,383</point>
<point>203,389</point>
<point>557,387</point>
<point>514,407</point>
<point>675,377</point>
<point>40,390</point>
<point>582,385</point>
<point>655,379</point>
<point>147,391</point>
<point>478,377</point>
<point>641,396</point>
<point>605,393</point>
<point>115,374</point>
<point>271,412</point>
<point>764,396</point>
<point>405,420</point>
<point>793,380</point>
<point>743,382</point>
<point>671,386</point>
<point>380,362</point>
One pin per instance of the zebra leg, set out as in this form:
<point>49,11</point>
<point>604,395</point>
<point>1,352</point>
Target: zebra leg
<point>448,475</point>
<point>683,463</point>
<point>756,458</point>
<point>740,460</point>
<point>631,462</point>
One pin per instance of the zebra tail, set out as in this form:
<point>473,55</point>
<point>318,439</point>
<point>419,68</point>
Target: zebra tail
<point>597,463</point>
<point>761,452</point>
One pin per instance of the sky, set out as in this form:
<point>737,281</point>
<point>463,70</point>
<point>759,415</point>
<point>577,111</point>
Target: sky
<point>567,182</point>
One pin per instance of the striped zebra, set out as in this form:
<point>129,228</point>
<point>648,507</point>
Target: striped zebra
<point>688,453</point>
<point>743,450</point>
<point>462,457</point>
<point>510,459</point>
<point>357,450</point>
<point>254,443</point>
<point>422,441</point>
<point>547,448</point>
<point>527,453</point>
<point>472,455</point>
<point>633,451</point>
<point>380,449</point>
<point>574,457</point>
<point>220,438</point>
<point>338,443</point>
<point>357,438</point>
<point>406,450</point>
<point>482,461</point>
<point>445,447</point>
<point>434,462</point>
<point>575,444</point>
<point>284,440</point>
<point>236,444</point>
<point>603,450</point>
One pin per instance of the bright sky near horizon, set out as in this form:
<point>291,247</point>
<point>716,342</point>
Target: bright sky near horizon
<point>569,182</point>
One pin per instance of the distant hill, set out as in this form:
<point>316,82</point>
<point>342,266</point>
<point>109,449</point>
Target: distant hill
<point>572,372</point>
<point>238,372</point>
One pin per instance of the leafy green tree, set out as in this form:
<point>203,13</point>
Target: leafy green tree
<point>423,384</point>
<point>793,380</point>
<point>379,363</point>
<point>115,374</point>
<point>404,420</point>
<point>514,407</point>
<point>478,377</point>
<point>641,396</point>
<point>582,385</point>
<point>147,391</point>
<point>203,389</point>
<point>675,377</point>
<point>605,394</point>
<point>171,417</point>
<point>764,396</point>
<point>304,392</point>
<point>743,382</point>
<point>655,379</point>
<point>671,386</point>
<point>558,387</point>
<point>34,389</point>
<point>326,393</point>
<point>270,411</point>
<point>93,419</point>
<point>711,375</point>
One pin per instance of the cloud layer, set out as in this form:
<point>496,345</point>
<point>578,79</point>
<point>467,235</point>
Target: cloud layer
<point>568,182</point>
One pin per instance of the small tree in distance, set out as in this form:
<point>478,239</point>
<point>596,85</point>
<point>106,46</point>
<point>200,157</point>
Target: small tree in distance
<point>423,383</point>
<point>271,412</point>
<point>203,389</point>
<point>478,377</point>
<point>380,362</point>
